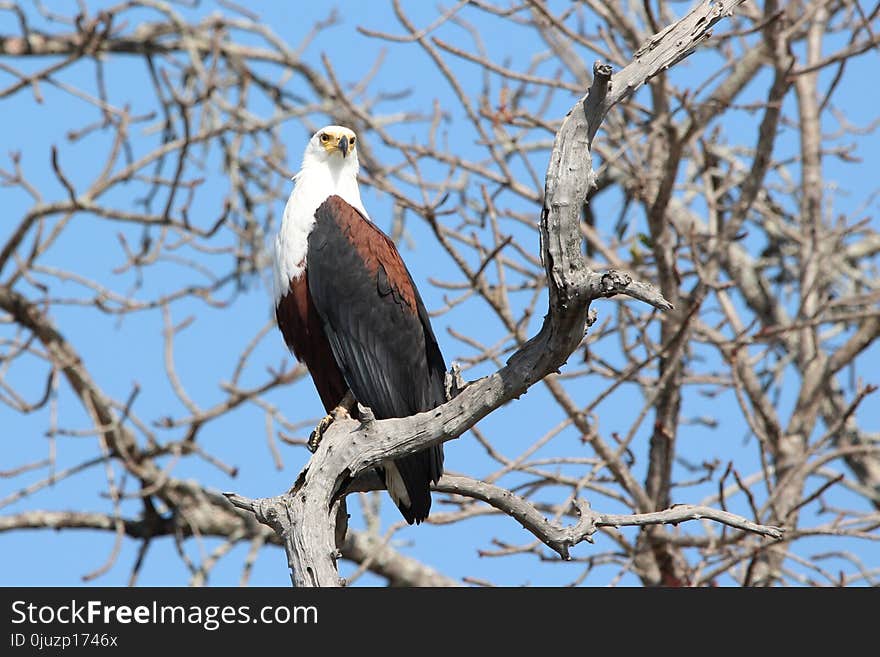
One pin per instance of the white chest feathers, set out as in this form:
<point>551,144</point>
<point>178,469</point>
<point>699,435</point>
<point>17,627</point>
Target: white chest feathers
<point>315,183</point>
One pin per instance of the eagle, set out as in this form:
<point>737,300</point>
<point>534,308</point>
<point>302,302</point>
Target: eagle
<point>347,307</point>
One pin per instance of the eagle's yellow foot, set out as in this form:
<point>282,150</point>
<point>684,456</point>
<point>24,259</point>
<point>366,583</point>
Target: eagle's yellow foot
<point>341,412</point>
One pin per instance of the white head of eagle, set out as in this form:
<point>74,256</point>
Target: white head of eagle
<point>329,166</point>
<point>348,308</point>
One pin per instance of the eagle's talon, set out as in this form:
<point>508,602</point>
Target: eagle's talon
<point>341,412</point>
<point>318,432</point>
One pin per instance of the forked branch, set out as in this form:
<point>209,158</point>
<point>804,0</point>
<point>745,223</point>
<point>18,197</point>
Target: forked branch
<point>302,516</point>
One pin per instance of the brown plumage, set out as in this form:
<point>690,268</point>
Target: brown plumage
<point>354,316</point>
<point>301,327</point>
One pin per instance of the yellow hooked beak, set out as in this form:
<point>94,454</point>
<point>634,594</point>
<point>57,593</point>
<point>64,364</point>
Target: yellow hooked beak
<point>333,141</point>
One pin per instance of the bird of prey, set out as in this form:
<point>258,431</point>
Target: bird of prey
<point>348,308</point>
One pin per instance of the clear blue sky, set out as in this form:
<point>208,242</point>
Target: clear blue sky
<point>120,354</point>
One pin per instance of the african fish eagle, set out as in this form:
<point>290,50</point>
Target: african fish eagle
<point>347,307</point>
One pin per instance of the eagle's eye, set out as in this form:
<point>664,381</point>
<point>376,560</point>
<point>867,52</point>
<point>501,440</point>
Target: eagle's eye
<point>325,137</point>
<point>352,140</point>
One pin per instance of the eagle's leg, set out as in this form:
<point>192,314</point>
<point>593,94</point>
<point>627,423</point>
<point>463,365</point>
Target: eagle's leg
<point>342,411</point>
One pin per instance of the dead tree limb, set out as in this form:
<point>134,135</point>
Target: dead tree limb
<point>301,516</point>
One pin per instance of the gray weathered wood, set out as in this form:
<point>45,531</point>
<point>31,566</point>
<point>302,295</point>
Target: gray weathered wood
<point>302,517</point>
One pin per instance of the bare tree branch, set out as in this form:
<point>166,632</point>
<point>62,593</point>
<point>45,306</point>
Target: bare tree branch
<point>347,450</point>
